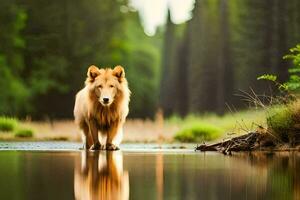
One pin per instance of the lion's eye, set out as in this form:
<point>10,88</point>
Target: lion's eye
<point>111,86</point>
<point>99,86</point>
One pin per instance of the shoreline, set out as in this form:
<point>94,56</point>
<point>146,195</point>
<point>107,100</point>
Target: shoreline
<point>69,146</point>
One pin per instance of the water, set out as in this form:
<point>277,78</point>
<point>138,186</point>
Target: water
<point>153,175</point>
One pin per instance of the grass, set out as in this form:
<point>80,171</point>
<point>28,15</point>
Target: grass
<point>12,125</point>
<point>8,124</point>
<point>198,132</point>
<point>24,133</point>
<point>282,120</point>
<point>279,120</point>
<point>238,123</point>
<point>193,128</point>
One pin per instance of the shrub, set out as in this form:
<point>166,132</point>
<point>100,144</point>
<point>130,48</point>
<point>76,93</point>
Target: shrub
<point>279,120</point>
<point>295,111</point>
<point>284,119</point>
<point>8,124</point>
<point>198,132</point>
<point>24,133</point>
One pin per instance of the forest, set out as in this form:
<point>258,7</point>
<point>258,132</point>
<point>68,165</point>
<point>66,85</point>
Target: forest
<point>222,50</point>
<point>194,67</point>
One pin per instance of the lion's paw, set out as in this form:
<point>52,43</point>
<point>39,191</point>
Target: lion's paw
<point>112,147</point>
<point>96,146</point>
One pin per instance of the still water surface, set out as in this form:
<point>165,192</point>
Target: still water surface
<point>154,175</point>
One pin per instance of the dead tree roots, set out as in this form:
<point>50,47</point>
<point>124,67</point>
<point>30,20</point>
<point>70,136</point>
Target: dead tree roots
<point>248,142</point>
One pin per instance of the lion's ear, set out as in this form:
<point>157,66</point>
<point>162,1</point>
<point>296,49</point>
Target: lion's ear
<point>93,72</point>
<point>119,72</point>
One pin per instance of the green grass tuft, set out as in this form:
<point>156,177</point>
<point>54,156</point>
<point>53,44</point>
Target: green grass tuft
<point>237,122</point>
<point>279,120</point>
<point>198,132</point>
<point>24,133</point>
<point>283,120</point>
<point>8,124</point>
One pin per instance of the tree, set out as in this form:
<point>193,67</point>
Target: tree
<point>210,69</point>
<point>167,73</point>
<point>13,89</point>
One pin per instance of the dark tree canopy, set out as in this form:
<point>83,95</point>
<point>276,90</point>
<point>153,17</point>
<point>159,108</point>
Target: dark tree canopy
<point>46,48</point>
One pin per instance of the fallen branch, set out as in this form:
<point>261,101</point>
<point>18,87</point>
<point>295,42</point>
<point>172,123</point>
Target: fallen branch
<point>247,142</point>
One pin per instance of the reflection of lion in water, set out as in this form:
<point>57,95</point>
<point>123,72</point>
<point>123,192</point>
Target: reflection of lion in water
<point>101,176</point>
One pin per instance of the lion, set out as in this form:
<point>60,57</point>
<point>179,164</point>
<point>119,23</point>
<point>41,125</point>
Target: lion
<point>102,106</point>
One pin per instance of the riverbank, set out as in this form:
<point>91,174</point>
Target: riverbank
<point>159,130</point>
<point>135,130</point>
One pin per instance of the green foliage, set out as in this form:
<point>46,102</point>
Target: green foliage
<point>8,124</point>
<point>61,46</point>
<point>283,119</point>
<point>198,132</point>
<point>237,122</point>
<point>14,91</point>
<point>24,133</point>
<point>268,77</point>
<point>279,120</point>
<point>293,83</point>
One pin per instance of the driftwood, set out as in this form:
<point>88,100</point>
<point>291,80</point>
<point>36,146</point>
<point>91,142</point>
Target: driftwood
<point>247,142</point>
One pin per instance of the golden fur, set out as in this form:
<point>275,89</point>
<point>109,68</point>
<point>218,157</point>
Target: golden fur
<point>102,106</point>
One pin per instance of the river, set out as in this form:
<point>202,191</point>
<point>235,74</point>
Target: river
<point>156,173</point>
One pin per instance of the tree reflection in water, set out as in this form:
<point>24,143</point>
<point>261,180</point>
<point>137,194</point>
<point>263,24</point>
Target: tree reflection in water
<point>100,175</point>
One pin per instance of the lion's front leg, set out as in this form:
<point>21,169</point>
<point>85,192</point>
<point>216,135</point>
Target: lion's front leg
<point>114,138</point>
<point>86,137</point>
<point>94,132</point>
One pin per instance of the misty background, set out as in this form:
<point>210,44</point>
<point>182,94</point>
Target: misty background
<point>179,56</point>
